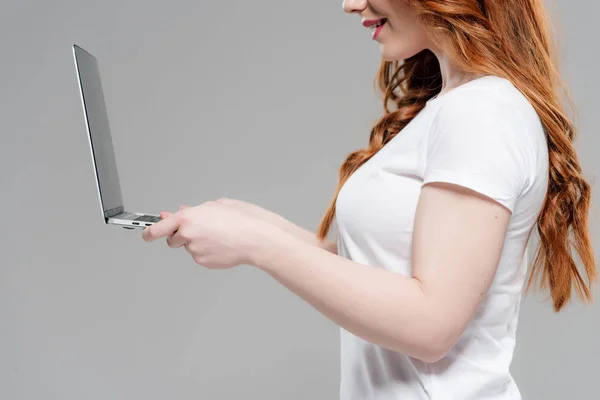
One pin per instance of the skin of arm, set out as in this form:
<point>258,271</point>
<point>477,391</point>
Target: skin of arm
<point>287,226</point>
<point>458,239</point>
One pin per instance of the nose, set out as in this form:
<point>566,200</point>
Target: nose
<point>351,6</point>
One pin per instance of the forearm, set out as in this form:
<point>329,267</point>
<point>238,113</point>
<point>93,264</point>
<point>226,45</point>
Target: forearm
<point>382,307</point>
<point>307,236</point>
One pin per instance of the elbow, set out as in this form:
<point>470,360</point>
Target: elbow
<point>435,345</point>
<point>433,355</point>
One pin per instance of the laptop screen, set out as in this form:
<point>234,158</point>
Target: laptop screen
<point>98,130</point>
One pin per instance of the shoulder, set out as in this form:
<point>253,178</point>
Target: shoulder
<point>482,137</point>
<point>490,97</point>
<point>489,106</point>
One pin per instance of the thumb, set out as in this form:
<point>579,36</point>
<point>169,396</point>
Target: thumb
<point>165,214</point>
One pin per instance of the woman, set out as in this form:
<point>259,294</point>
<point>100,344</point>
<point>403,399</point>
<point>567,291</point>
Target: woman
<point>433,217</point>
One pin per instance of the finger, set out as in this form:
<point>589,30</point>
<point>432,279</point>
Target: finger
<point>176,240</point>
<point>162,228</point>
<point>165,214</point>
<point>182,207</point>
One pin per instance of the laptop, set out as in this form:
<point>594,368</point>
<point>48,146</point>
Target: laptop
<point>101,147</point>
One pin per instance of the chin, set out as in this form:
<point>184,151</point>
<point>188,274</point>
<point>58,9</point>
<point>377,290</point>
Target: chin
<point>397,53</point>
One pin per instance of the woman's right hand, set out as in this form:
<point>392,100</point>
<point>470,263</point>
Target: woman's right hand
<point>250,208</point>
<point>258,212</point>
<point>282,223</point>
<point>275,219</point>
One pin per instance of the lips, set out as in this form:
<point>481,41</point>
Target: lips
<point>373,23</point>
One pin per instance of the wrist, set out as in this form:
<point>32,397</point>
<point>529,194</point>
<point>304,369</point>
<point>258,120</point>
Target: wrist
<point>267,245</point>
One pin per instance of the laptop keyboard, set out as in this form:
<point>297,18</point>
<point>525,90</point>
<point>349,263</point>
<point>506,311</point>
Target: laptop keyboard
<point>147,218</point>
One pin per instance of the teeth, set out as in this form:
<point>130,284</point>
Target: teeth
<point>378,25</point>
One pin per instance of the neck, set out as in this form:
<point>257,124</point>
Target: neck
<point>452,76</point>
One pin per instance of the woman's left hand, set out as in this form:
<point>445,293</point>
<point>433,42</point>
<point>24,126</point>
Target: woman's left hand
<point>217,235</point>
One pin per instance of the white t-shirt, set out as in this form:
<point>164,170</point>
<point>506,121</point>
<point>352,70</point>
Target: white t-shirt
<point>486,136</point>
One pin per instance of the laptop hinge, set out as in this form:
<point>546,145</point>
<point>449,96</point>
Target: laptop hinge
<point>114,211</point>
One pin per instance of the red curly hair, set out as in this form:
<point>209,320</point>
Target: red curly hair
<point>509,39</point>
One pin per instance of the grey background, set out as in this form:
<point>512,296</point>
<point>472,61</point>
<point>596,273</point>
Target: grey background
<point>253,100</point>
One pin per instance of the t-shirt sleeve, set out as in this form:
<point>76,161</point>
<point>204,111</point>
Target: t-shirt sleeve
<point>479,142</point>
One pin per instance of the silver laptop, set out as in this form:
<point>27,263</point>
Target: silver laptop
<point>101,147</point>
